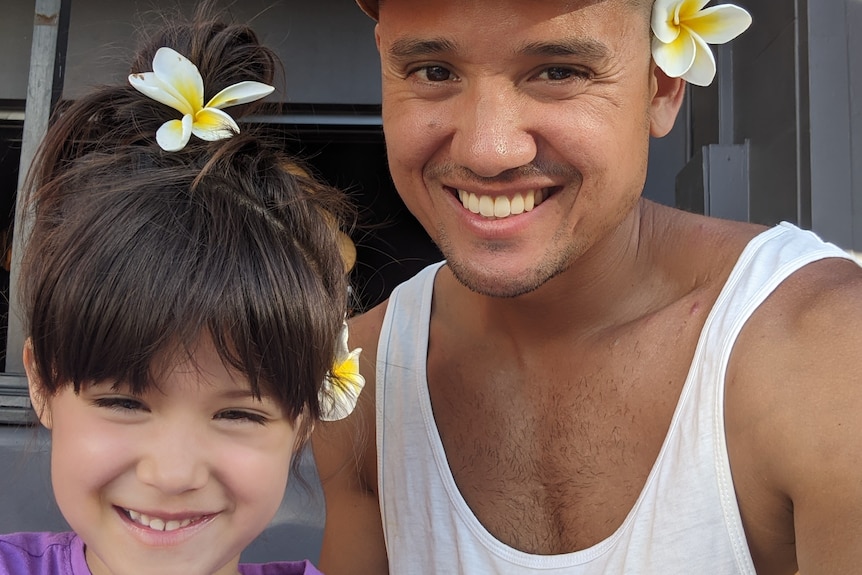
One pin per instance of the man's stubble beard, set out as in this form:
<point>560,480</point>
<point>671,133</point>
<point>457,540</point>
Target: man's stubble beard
<point>527,281</point>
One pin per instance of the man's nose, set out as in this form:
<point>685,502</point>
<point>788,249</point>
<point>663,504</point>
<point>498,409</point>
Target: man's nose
<point>174,460</point>
<point>490,135</point>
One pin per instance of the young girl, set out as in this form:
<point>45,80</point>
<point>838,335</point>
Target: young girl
<point>185,301</point>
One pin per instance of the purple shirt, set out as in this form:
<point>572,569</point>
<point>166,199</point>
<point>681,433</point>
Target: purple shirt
<point>63,554</point>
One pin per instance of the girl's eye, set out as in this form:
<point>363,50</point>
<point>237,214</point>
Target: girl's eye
<point>240,416</point>
<point>434,74</point>
<point>123,404</point>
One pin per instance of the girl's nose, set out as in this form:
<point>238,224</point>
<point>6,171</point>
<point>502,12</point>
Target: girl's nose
<point>174,461</point>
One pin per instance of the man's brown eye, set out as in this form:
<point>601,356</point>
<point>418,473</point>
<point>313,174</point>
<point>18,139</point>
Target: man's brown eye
<point>437,74</point>
<point>560,73</point>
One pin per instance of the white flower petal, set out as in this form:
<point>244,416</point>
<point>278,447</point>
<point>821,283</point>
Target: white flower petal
<point>677,57</point>
<point>702,70</point>
<point>148,84</point>
<point>240,93</point>
<point>342,385</point>
<point>343,339</point>
<point>212,124</point>
<point>340,391</point>
<point>720,24</point>
<point>174,69</point>
<point>688,8</point>
<point>334,407</point>
<point>174,134</point>
<point>662,20</point>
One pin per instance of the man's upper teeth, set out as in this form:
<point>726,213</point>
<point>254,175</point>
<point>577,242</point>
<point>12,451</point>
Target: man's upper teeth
<point>501,206</point>
<point>158,524</point>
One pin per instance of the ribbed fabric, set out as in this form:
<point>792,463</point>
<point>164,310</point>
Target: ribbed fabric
<point>686,518</point>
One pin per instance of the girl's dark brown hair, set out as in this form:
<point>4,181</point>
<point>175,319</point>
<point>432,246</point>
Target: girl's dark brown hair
<point>136,253</point>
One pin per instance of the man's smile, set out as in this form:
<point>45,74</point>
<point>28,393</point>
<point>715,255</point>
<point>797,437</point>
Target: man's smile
<point>502,206</point>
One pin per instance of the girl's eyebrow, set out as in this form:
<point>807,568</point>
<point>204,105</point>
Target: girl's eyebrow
<point>242,394</point>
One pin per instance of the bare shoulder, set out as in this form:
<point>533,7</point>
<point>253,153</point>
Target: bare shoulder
<point>794,399</point>
<point>365,331</point>
<point>694,242</point>
<point>346,455</point>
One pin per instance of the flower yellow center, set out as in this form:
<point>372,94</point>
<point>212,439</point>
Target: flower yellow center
<point>676,14</point>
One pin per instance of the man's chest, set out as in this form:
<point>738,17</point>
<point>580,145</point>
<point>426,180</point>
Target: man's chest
<point>552,455</point>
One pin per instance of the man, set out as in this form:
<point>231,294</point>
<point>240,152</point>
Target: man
<point>598,384</point>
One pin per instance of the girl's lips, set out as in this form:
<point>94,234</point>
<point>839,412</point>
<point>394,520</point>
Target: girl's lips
<point>164,523</point>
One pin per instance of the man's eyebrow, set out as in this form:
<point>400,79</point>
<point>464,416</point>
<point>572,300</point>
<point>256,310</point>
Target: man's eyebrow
<point>407,48</point>
<point>584,48</point>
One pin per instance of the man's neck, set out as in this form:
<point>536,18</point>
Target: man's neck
<point>613,283</point>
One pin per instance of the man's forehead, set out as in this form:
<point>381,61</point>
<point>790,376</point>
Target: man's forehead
<point>590,29</point>
<point>372,7</point>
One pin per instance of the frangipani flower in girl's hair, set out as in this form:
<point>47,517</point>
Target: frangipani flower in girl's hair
<point>176,82</point>
<point>343,383</point>
<point>683,31</point>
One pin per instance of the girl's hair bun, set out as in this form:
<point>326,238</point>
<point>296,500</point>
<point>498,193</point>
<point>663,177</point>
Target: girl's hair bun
<point>136,250</point>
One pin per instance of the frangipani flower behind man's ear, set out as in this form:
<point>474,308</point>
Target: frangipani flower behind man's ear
<point>176,82</point>
<point>683,30</point>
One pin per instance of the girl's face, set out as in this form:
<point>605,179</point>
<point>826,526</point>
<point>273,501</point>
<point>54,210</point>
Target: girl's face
<point>179,480</point>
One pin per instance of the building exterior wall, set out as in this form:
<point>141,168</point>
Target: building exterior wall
<point>768,103</point>
<point>326,46</point>
<point>16,32</point>
<point>798,100</point>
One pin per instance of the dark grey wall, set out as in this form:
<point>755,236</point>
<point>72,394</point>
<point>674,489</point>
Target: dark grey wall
<point>798,99</point>
<point>835,101</point>
<point>854,50</point>
<point>326,46</point>
<point>16,32</point>
<point>767,104</point>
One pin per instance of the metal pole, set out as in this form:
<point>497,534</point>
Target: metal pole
<point>36,115</point>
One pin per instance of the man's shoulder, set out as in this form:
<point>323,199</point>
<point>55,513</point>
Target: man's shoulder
<point>793,398</point>
<point>695,243</point>
<point>365,328</point>
<point>814,316</point>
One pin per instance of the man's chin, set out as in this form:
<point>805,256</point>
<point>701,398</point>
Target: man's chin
<point>499,284</point>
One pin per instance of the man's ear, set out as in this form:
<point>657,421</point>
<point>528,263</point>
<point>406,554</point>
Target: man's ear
<point>668,94</point>
<point>37,393</point>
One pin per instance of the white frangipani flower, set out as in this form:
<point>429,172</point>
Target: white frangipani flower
<point>176,82</point>
<point>683,30</point>
<point>343,383</point>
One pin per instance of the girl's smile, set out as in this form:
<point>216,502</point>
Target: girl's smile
<point>177,479</point>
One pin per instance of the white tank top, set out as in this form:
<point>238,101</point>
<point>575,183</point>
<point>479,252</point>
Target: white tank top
<point>684,521</point>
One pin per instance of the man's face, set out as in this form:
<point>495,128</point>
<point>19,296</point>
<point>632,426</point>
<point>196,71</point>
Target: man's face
<point>517,132</point>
